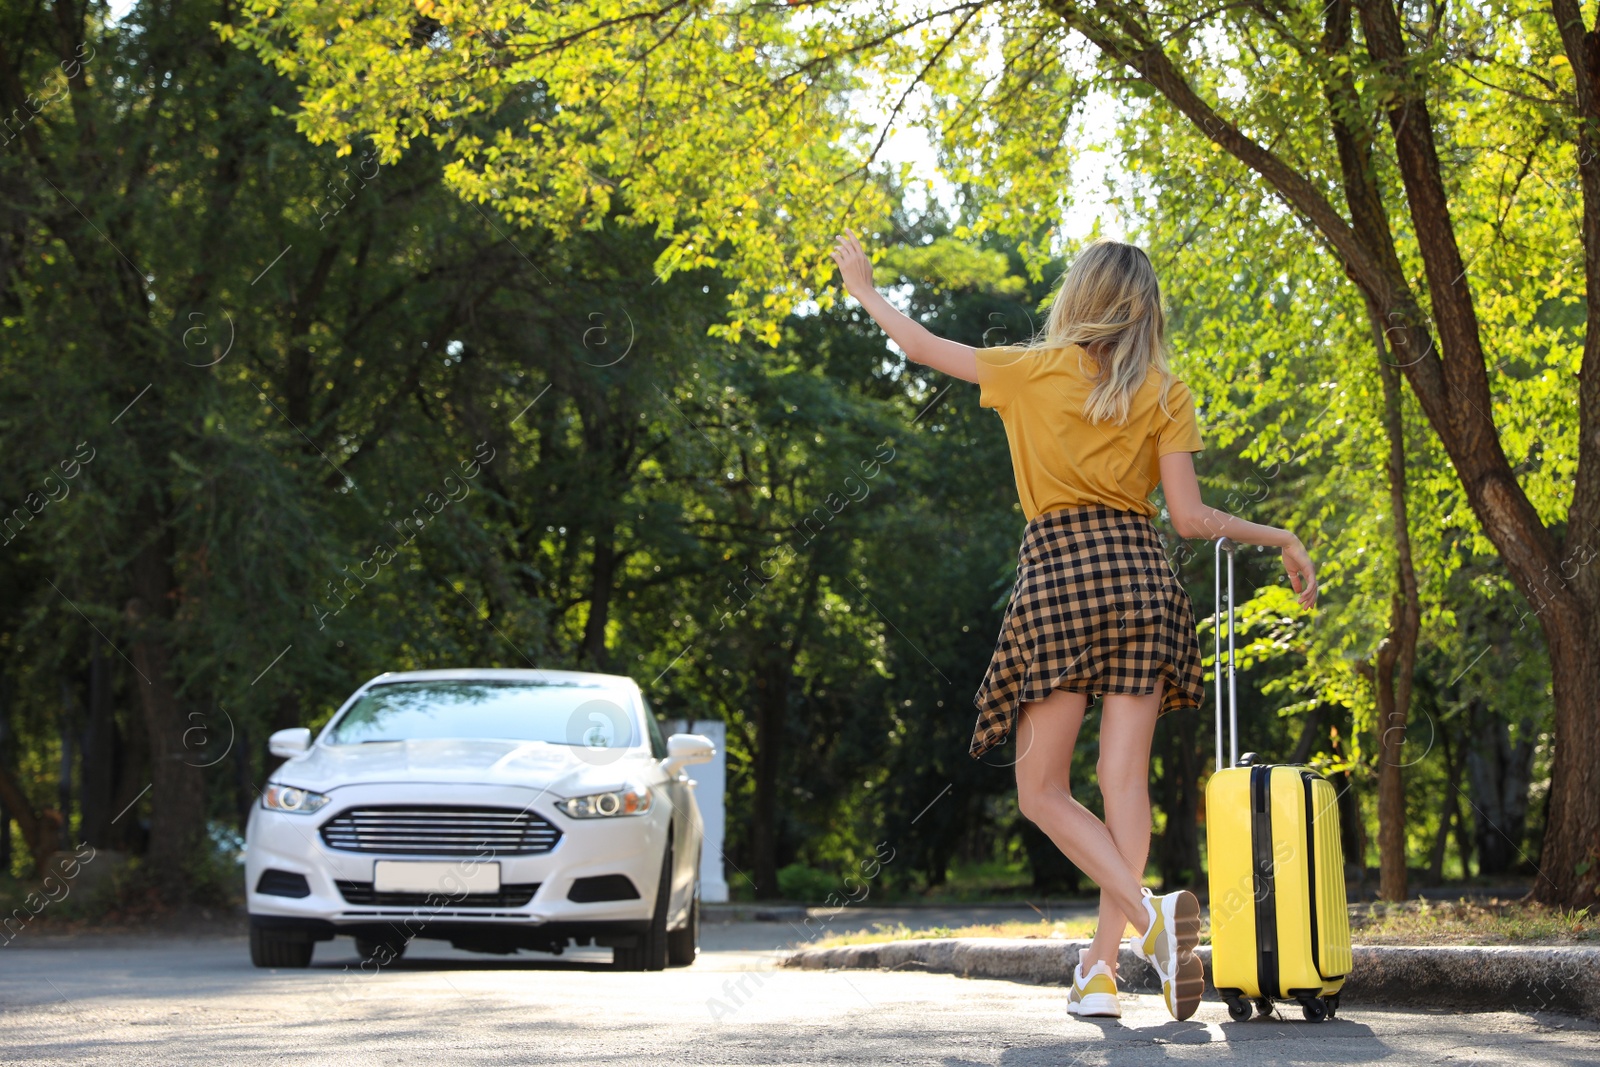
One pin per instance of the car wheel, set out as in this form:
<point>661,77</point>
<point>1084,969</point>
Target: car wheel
<point>651,953</point>
<point>382,952</point>
<point>684,945</point>
<point>279,948</point>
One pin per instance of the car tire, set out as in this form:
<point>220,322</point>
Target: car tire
<point>382,952</point>
<point>684,945</point>
<point>651,952</point>
<point>279,948</point>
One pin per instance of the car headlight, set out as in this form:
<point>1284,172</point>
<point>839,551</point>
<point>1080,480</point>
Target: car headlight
<point>631,799</point>
<point>288,798</point>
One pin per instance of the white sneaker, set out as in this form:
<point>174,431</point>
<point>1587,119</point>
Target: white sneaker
<point>1168,947</point>
<point>1095,993</point>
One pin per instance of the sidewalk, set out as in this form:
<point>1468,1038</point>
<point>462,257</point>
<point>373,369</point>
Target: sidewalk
<point>1547,978</point>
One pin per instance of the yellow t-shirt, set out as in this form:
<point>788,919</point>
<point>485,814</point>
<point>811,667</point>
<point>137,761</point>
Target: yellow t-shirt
<point>1063,460</point>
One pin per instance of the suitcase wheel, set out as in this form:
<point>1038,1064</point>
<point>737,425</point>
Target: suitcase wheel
<point>1238,1009</point>
<point>1264,1007</point>
<point>1314,1009</point>
<point>1332,1002</point>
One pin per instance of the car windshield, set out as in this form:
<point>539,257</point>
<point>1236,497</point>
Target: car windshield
<point>593,716</point>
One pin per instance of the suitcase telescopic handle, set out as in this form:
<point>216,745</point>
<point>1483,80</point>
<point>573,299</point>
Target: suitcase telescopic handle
<point>1233,692</point>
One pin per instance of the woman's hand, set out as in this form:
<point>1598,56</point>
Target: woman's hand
<point>1192,517</point>
<point>1302,576</point>
<point>854,266</point>
<point>920,346</point>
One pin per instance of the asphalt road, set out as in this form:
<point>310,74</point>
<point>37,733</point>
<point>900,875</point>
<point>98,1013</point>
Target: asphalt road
<point>142,999</point>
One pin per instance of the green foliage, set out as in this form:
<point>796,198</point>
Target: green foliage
<point>808,885</point>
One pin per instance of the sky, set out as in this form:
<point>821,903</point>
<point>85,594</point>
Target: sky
<point>911,145</point>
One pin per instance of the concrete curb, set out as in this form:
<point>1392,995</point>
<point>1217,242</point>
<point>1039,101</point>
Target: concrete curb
<point>1558,979</point>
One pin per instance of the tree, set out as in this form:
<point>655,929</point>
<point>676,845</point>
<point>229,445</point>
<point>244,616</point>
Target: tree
<point>201,423</point>
<point>1390,70</point>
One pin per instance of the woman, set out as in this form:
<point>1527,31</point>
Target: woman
<point>1095,419</point>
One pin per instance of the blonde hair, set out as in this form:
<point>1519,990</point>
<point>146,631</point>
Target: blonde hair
<point>1109,297</point>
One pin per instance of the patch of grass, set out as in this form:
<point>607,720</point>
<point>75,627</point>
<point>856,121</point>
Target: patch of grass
<point>809,885</point>
<point>1470,922</point>
<point>110,890</point>
<point>881,933</point>
<point>982,881</point>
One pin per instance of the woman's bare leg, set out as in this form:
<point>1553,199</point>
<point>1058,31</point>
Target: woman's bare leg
<point>1127,724</point>
<point>1047,730</point>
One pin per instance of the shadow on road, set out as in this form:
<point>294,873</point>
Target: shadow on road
<point>485,963</point>
<point>1263,1041</point>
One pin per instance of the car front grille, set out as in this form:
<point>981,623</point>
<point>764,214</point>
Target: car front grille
<point>440,831</point>
<point>509,896</point>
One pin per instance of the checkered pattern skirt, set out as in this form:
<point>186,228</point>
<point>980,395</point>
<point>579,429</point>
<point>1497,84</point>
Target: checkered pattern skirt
<point>1096,609</point>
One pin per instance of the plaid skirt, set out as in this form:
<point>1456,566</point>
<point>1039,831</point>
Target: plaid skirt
<point>1096,609</point>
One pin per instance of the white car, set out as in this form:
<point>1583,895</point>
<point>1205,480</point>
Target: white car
<point>495,809</point>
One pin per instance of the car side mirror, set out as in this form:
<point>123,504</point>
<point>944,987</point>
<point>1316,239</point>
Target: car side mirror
<point>295,741</point>
<point>684,749</point>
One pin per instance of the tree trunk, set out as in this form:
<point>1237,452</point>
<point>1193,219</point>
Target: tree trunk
<point>772,703</point>
<point>1177,850</point>
<point>68,733</point>
<point>602,579</point>
<point>1352,828</point>
<point>774,675</point>
<point>244,788</point>
<point>1052,872</point>
<point>1397,653</point>
<point>1463,840</point>
<point>177,793</point>
<point>1441,838</point>
<point>5,762</point>
<point>1500,774</point>
<point>1570,859</point>
<point>35,829</point>
<point>1449,811</point>
<point>97,771</point>
<point>1391,781</point>
<point>1569,862</point>
<point>132,757</point>
<point>1309,731</point>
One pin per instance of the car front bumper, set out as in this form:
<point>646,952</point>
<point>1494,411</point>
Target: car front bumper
<point>631,846</point>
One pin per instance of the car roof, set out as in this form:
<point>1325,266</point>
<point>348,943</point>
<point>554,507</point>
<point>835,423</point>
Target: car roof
<point>538,676</point>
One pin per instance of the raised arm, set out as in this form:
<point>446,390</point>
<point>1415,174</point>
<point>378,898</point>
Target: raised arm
<point>914,339</point>
<point>1192,517</point>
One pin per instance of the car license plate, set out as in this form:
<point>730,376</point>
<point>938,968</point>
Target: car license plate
<point>449,879</point>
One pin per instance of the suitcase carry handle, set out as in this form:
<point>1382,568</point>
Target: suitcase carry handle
<point>1233,693</point>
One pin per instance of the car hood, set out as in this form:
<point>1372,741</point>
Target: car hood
<point>565,770</point>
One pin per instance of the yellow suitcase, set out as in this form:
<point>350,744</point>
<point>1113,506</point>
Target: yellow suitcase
<point>1279,925</point>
